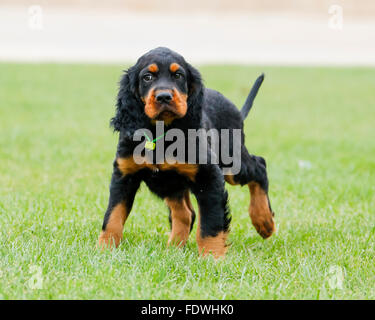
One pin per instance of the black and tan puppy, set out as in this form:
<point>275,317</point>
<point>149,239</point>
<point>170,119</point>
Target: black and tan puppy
<point>162,86</point>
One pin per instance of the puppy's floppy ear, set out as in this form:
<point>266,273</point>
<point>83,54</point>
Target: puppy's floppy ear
<point>128,104</point>
<point>195,85</point>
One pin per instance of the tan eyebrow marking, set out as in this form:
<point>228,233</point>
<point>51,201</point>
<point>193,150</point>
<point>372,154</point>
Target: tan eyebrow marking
<point>153,68</point>
<point>174,67</point>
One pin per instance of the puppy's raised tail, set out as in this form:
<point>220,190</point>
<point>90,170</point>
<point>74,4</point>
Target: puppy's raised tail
<point>250,98</point>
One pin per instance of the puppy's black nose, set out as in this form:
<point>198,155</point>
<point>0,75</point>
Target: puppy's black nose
<point>163,97</point>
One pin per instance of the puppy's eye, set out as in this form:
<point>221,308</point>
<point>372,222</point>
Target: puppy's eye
<point>177,75</point>
<point>148,77</point>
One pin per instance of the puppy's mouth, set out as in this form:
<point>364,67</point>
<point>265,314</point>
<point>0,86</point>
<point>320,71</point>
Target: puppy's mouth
<point>166,111</point>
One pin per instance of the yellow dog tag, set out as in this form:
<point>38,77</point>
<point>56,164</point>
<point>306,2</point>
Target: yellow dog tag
<point>150,145</point>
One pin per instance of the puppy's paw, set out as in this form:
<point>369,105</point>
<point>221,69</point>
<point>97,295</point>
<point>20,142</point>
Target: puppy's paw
<point>216,246</point>
<point>263,223</point>
<point>108,240</point>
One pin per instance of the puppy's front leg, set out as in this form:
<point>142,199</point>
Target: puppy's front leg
<point>122,192</point>
<point>214,219</point>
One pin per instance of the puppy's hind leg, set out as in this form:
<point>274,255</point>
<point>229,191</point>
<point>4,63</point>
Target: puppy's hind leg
<point>182,218</point>
<point>253,173</point>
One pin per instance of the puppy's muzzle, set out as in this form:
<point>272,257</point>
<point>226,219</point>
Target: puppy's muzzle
<point>165,104</point>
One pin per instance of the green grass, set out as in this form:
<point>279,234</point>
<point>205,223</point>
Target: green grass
<point>56,153</point>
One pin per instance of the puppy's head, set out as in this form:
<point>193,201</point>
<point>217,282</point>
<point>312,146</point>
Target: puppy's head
<point>163,84</point>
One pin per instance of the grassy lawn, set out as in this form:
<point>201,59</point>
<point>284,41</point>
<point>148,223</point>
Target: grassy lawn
<point>315,127</point>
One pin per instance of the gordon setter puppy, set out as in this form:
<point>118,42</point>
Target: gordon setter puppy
<point>162,86</point>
